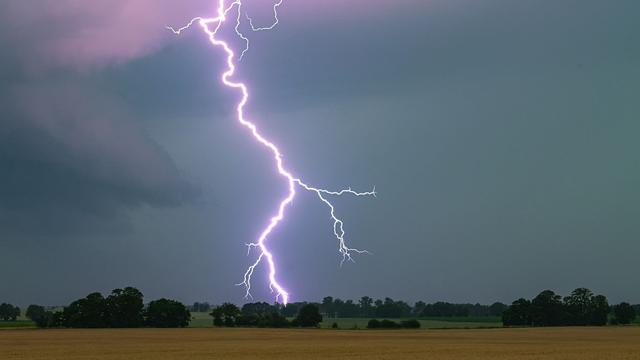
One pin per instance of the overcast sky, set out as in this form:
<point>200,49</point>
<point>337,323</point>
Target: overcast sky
<point>501,136</point>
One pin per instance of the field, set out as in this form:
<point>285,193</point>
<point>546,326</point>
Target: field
<point>427,323</point>
<point>204,320</point>
<point>17,324</point>
<point>165,344</point>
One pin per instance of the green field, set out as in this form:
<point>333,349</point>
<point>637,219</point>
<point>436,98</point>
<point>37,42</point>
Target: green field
<point>426,323</point>
<point>201,320</point>
<point>17,324</point>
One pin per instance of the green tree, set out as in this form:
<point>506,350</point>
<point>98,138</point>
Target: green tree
<point>35,313</point>
<point>327,306</point>
<point>50,319</point>
<point>164,313</point>
<point>273,320</point>
<point>518,314</point>
<point>88,312</point>
<point>309,316</point>
<point>226,314</point>
<point>217,315</point>
<point>579,307</point>
<point>624,313</point>
<point>497,308</point>
<point>366,306</point>
<point>547,309</point>
<point>599,311</point>
<point>9,312</point>
<point>124,308</point>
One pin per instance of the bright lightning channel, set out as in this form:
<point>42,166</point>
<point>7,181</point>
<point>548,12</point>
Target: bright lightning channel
<point>211,26</point>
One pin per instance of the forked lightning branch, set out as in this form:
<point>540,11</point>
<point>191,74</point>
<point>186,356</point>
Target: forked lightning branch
<point>231,13</point>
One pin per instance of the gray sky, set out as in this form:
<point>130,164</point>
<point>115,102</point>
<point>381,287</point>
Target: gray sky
<point>500,135</point>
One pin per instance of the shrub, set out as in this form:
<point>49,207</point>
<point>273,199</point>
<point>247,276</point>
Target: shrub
<point>373,324</point>
<point>410,324</point>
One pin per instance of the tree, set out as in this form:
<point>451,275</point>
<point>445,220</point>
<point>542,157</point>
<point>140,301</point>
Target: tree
<point>624,313</point>
<point>518,314</point>
<point>124,308</point>
<point>89,312</point>
<point>164,313</point>
<point>599,311</point>
<point>273,320</point>
<point>50,319</point>
<point>9,312</point>
<point>366,306</point>
<point>309,316</point>
<point>350,309</point>
<point>578,307</point>
<point>497,308</point>
<point>547,309</point>
<point>35,313</point>
<point>226,314</point>
<point>217,315</point>
<point>418,308</point>
<point>201,307</point>
<point>291,309</point>
<point>327,306</point>
<point>259,309</point>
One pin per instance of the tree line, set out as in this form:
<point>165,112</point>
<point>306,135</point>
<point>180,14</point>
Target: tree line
<point>9,312</point>
<point>367,307</point>
<point>123,308</point>
<point>582,307</point>
<point>263,314</point>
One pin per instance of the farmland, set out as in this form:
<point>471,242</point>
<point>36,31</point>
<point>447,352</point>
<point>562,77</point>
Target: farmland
<point>217,343</point>
<point>203,320</point>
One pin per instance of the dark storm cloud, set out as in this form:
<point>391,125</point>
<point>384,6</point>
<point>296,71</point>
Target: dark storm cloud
<point>500,135</point>
<point>73,156</point>
<point>68,152</point>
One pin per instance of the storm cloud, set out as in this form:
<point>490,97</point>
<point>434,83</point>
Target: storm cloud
<point>500,135</point>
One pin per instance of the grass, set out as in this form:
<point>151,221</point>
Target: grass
<point>204,320</point>
<point>425,323</point>
<point>586,343</point>
<point>17,324</point>
<point>201,320</point>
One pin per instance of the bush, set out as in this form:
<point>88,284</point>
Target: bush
<point>410,324</point>
<point>388,324</point>
<point>273,320</point>
<point>373,324</point>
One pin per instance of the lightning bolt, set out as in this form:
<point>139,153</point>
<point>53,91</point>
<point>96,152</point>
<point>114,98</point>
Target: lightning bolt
<point>211,26</point>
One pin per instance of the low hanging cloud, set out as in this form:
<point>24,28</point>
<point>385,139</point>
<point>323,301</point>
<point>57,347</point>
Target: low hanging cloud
<point>69,152</point>
<point>72,155</point>
<point>89,34</point>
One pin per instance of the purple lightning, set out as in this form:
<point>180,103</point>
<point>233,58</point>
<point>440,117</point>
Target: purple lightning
<point>211,27</point>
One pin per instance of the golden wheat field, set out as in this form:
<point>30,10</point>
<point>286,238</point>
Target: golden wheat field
<point>549,343</point>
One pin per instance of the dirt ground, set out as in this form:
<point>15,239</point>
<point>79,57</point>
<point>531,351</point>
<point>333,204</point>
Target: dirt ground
<point>132,344</point>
